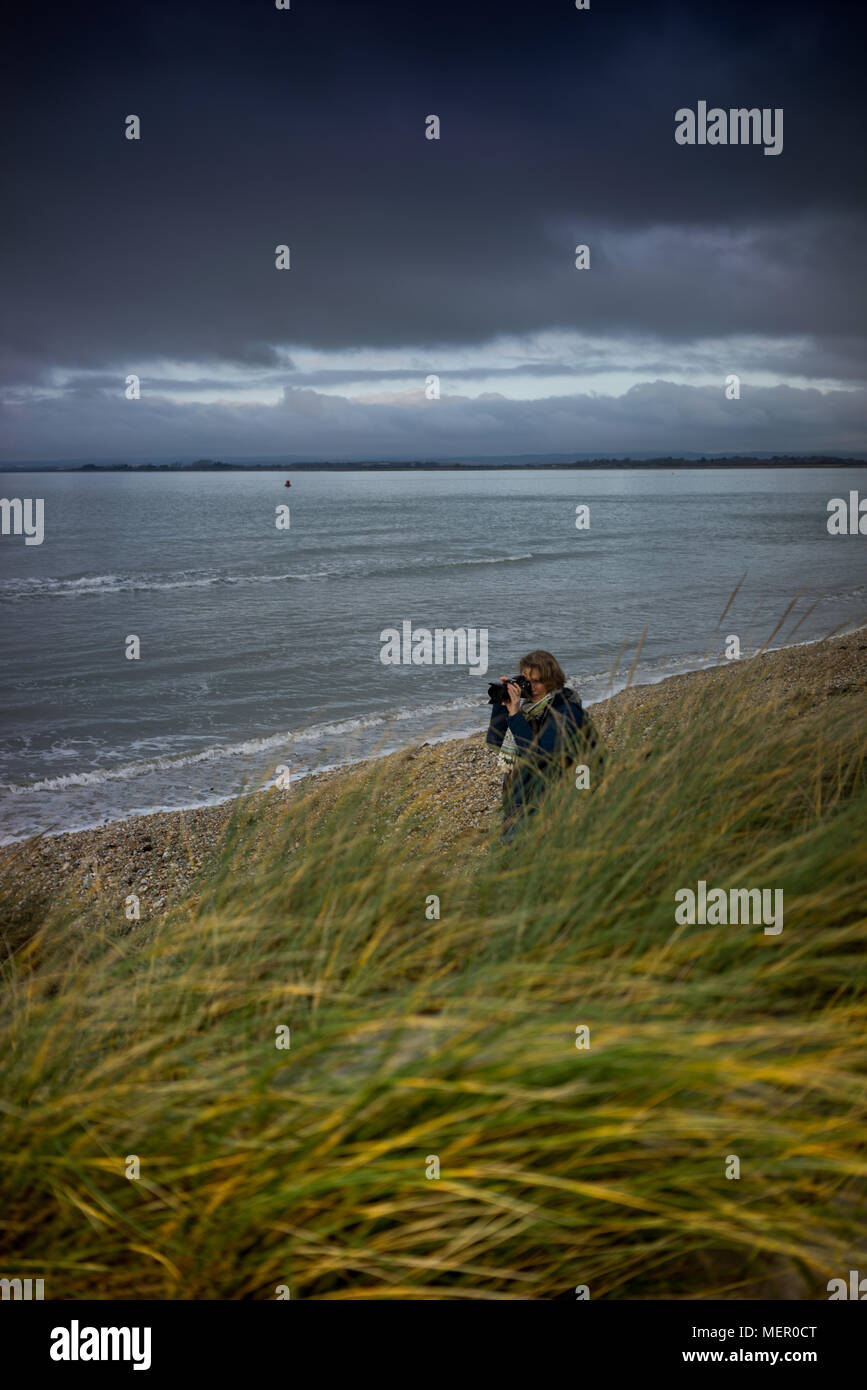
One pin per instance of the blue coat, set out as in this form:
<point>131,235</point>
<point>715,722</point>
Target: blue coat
<point>546,747</point>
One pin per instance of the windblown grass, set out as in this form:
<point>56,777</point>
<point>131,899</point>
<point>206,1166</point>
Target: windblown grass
<point>456,1038</point>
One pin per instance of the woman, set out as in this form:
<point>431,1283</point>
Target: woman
<point>541,739</point>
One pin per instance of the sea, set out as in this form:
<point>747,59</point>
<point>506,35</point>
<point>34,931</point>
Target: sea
<point>259,647</point>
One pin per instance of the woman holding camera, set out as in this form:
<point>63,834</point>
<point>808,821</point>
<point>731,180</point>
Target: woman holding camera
<point>538,739</point>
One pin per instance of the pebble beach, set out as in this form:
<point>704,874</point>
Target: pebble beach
<point>163,858</point>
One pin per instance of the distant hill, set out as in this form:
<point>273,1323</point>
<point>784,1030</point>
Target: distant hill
<point>525,461</point>
<point>200,466</point>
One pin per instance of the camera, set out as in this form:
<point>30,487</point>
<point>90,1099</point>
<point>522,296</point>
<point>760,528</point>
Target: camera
<point>498,694</point>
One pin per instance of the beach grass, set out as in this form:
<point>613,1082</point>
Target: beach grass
<point>420,1042</point>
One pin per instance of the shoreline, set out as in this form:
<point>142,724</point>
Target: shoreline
<point>223,801</point>
<point>160,856</point>
<point>723,462</point>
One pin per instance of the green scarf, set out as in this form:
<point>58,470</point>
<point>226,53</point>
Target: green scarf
<point>509,750</point>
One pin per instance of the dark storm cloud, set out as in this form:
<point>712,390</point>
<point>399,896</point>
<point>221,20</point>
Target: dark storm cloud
<point>307,127</point>
<point>844,362</point>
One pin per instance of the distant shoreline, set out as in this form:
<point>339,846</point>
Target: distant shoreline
<point>581,465</point>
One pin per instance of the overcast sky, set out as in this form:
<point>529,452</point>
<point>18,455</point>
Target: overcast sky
<point>412,257</point>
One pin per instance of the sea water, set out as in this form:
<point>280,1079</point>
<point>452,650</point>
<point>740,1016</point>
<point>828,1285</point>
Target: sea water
<point>259,647</point>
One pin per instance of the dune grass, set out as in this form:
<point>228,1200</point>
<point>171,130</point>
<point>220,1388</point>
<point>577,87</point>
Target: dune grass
<point>454,1039</point>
